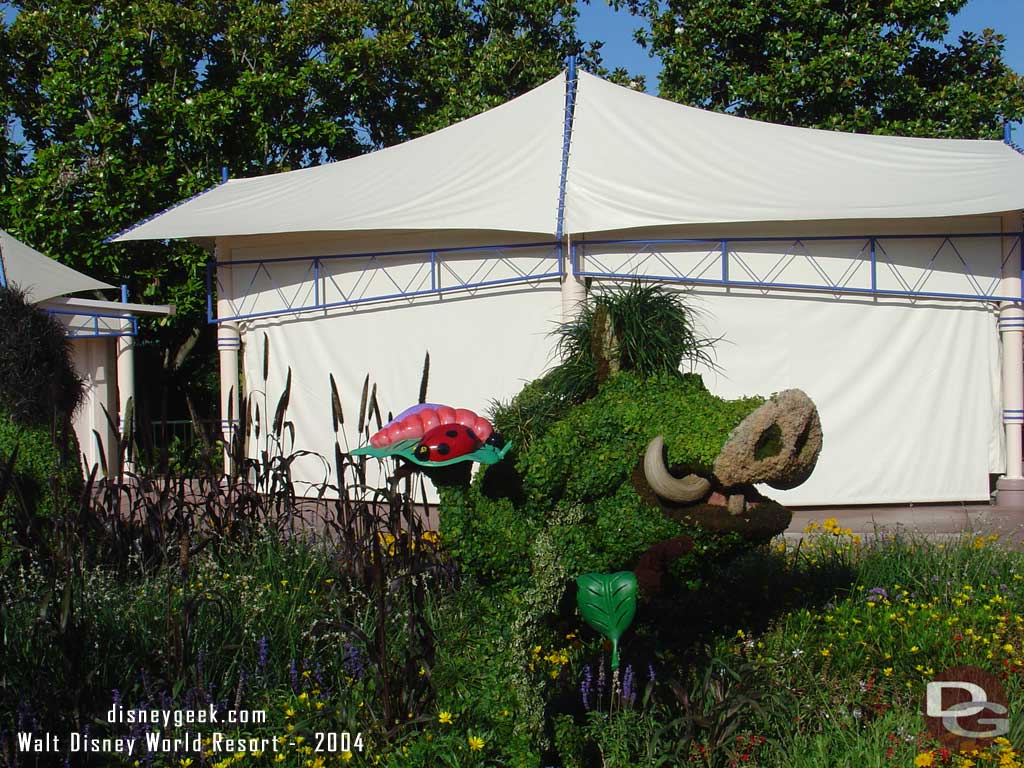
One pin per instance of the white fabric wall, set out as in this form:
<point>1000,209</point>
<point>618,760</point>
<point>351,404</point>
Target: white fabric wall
<point>908,395</point>
<point>95,361</point>
<point>481,348</point>
<point>908,391</point>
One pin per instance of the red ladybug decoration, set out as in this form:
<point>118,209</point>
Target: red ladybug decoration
<point>446,442</point>
<point>417,421</point>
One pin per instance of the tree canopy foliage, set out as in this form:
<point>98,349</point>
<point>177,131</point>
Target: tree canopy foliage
<point>116,110</point>
<point>870,66</point>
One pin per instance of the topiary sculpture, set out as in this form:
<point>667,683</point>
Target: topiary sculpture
<point>619,462</point>
<point>632,464</point>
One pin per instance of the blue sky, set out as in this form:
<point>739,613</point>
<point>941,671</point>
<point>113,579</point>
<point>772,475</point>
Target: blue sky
<point>599,22</point>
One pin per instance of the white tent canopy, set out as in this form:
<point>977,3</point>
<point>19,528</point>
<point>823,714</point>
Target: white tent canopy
<point>499,170</point>
<point>633,161</point>
<point>673,164</point>
<point>40,276</point>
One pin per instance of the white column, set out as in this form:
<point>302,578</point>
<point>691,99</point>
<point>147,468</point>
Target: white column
<point>125,375</point>
<point>574,290</point>
<point>125,382</point>
<point>1010,488</point>
<point>229,345</point>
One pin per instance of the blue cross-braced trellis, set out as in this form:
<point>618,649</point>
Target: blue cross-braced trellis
<point>964,266</point>
<point>83,324</point>
<point>293,285</point>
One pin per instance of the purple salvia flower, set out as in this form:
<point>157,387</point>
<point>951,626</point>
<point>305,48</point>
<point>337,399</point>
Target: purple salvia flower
<point>650,674</point>
<point>628,694</point>
<point>352,661</point>
<point>586,685</point>
<point>600,680</point>
<point>263,651</point>
<point>116,694</point>
<point>293,676</point>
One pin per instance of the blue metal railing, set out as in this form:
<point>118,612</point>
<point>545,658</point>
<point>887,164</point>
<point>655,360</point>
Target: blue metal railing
<point>94,331</point>
<point>867,255</point>
<point>377,262</point>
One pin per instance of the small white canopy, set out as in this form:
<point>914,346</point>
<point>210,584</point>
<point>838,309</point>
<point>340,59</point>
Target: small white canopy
<point>634,161</point>
<point>39,276</point>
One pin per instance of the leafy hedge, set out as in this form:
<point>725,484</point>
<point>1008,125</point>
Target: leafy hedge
<point>39,393</point>
<point>46,482</point>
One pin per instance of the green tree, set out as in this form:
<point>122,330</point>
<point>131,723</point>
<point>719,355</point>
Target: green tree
<point>870,66</point>
<point>128,106</point>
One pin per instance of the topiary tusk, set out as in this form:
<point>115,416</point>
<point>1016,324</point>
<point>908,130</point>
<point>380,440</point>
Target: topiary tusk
<point>686,489</point>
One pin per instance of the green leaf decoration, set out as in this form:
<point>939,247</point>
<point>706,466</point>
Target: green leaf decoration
<point>608,604</point>
<point>487,454</point>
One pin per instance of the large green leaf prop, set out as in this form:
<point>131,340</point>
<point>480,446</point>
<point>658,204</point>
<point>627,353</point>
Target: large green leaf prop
<point>608,604</point>
<point>487,454</point>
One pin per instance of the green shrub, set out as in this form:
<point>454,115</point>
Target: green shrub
<point>37,371</point>
<point>39,392</point>
<point>46,482</point>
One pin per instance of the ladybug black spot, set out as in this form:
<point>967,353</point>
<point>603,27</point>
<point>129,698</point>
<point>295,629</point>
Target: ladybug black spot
<point>444,449</point>
<point>451,433</point>
<point>422,452</point>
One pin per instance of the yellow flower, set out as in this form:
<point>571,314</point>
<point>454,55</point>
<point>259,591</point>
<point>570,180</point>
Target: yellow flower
<point>825,652</point>
<point>445,717</point>
<point>347,756</point>
<point>185,762</point>
<point>887,671</point>
<point>914,649</point>
<point>476,743</point>
<point>924,759</point>
<point>1008,648</point>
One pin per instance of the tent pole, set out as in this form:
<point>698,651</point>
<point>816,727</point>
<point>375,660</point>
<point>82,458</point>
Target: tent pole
<point>125,375</point>
<point>229,344</point>
<point>573,289</point>
<point>1010,488</point>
